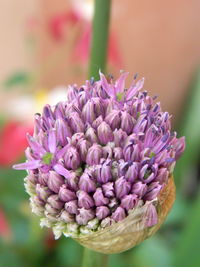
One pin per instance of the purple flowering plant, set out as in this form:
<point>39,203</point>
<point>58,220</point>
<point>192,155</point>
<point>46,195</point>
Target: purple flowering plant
<point>97,155</point>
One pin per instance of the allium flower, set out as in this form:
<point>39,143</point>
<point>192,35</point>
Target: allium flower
<point>101,161</point>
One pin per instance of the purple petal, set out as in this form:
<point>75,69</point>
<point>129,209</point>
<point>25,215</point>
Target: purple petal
<point>52,141</point>
<point>106,86</point>
<point>133,90</point>
<point>35,146</point>
<point>62,171</point>
<point>120,83</point>
<point>30,165</point>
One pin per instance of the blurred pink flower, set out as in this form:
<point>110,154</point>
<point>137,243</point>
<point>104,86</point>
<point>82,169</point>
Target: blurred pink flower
<point>61,21</point>
<point>13,142</point>
<point>59,26</point>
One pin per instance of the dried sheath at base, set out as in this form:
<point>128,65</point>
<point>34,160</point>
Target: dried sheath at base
<point>132,230</point>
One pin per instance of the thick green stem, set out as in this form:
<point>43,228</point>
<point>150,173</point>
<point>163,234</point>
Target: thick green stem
<point>94,259</point>
<point>99,42</point>
<point>98,57</point>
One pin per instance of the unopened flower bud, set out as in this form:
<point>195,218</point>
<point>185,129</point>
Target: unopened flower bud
<point>38,201</point>
<point>71,158</point>
<point>33,178</point>
<point>76,123</point>
<point>122,187</point>
<point>108,189</point>
<point>103,172</point>
<point>97,122</point>
<point>83,147</point>
<point>66,217</point>
<point>99,198</point>
<point>43,178</point>
<point>119,137</point>
<point>65,194</point>
<point>72,181</point>
<point>84,215</point>
<point>88,112</point>
<point>151,216</point>
<point>127,122</point>
<point>50,209</point>
<point>152,191</point>
<point>43,192</point>
<point>37,209</point>
<point>55,202</point>
<point>162,175</point>
<point>91,135</point>
<point>63,131</point>
<point>139,189</point>
<point>105,133</point>
<point>55,181</point>
<point>107,152</point>
<point>72,206</point>
<point>77,138</point>
<point>87,183</point>
<point>132,172</point>
<point>147,173</point>
<point>128,202</point>
<point>84,200</point>
<point>113,119</point>
<point>102,212</point>
<point>94,155</point>
<point>179,147</point>
<point>119,214</point>
<point>118,154</point>
<point>72,93</point>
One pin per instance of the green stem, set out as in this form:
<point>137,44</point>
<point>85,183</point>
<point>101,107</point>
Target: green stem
<point>98,57</point>
<point>94,259</point>
<point>99,42</point>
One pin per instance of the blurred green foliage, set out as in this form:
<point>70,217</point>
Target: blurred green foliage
<point>19,78</point>
<point>177,243</point>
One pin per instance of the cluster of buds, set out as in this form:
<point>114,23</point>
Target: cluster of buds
<point>98,155</point>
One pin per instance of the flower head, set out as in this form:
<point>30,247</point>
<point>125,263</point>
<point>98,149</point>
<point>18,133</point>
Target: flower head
<point>99,155</point>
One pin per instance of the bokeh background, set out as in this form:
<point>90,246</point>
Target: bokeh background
<point>44,46</point>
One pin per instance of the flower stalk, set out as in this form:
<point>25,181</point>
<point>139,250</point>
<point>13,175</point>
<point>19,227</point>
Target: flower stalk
<point>99,42</point>
<point>98,57</point>
<point>92,258</point>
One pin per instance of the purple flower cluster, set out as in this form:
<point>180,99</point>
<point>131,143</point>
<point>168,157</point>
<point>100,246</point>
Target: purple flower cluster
<point>94,156</point>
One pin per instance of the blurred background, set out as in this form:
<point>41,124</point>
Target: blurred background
<point>44,47</point>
